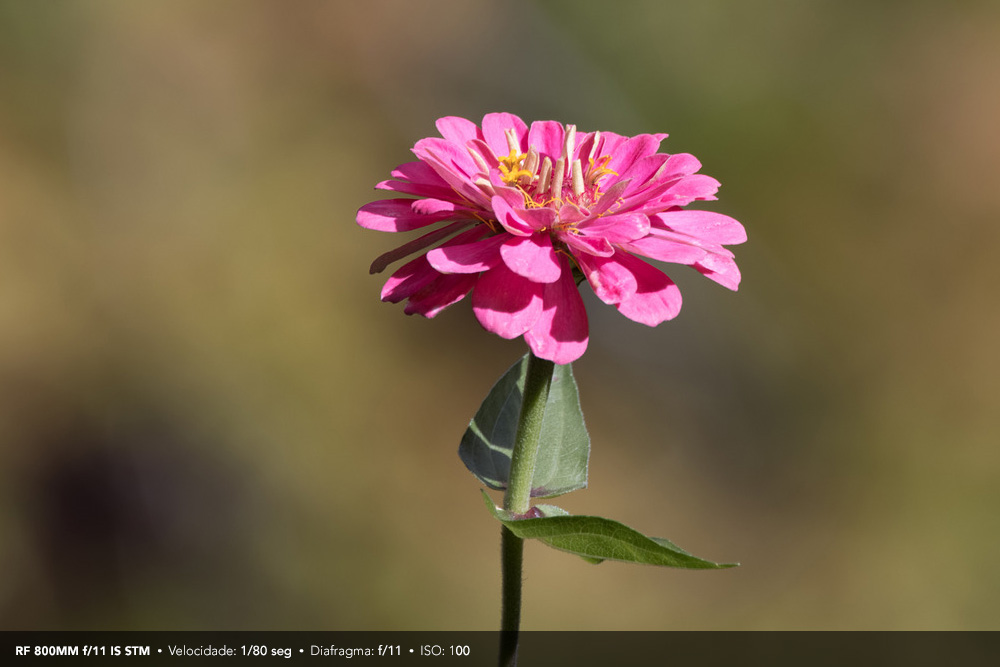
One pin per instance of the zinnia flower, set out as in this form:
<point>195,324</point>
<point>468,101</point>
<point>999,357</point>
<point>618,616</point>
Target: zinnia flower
<point>519,213</point>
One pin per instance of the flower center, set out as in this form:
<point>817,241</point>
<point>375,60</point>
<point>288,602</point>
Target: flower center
<point>512,167</point>
<point>554,184</point>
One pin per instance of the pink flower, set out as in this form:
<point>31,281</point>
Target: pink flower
<point>516,211</point>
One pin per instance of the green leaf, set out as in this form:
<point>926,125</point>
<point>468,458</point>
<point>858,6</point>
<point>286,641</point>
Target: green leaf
<point>564,447</point>
<point>596,539</point>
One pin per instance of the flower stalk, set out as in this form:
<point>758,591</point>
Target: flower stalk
<point>517,499</point>
<point>518,217</point>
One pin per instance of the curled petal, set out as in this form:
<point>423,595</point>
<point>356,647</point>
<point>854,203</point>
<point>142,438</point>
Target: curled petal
<point>409,279</point>
<point>457,130</point>
<point>610,198</point>
<point>721,269</point>
<point>611,282</point>
<point>443,292</point>
<point>385,259</point>
<point>509,217</point>
<point>448,154</point>
<point>417,178</point>
<point>584,150</point>
<point>505,303</point>
<point>696,187</point>
<point>703,225</point>
<point>482,150</point>
<point>418,189</point>
<point>474,257</point>
<point>619,228</point>
<point>547,137</point>
<point>679,164</point>
<point>532,257</point>
<point>495,126</point>
<point>587,245</point>
<point>536,218</point>
<point>561,332</point>
<point>454,165</point>
<point>571,213</point>
<point>656,298</point>
<point>666,250</point>
<point>418,172</point>
<point>643,170</point>
<point>632,149</point>
<point>403,215</point>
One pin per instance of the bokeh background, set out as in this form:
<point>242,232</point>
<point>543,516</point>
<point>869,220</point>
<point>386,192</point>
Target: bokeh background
<point>208,420</point>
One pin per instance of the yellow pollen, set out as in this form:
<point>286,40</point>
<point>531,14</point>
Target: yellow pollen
<point>598,171</point>
<point>511,167</point>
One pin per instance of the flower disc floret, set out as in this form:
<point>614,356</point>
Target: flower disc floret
<point>517,214</point>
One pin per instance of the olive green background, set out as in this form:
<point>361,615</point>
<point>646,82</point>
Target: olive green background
<point>208,420</point>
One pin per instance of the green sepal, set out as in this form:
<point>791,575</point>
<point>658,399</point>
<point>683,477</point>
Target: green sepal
<point>564,448</point>
<point>596,539</point>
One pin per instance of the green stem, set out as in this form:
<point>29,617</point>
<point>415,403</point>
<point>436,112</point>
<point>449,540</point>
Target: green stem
<point>512,552</point>
<point>517,499</point>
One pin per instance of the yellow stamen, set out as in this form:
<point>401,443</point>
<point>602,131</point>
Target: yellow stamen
<point>511,169</point>
<point>597,171</point>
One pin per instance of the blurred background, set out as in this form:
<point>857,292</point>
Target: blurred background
<point>208,420</point>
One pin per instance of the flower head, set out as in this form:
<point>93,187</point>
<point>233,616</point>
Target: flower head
<point>515,212</point>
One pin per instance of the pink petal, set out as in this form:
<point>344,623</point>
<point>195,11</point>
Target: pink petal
<point>547,137</point>
<point>666,250</point>
<point>666,195</point>
<point>494,127</point>
<point>608,144</point>
<point>443,292</point>
<point>656,298</point>
<point>610,281</point>
<point>619,228</point>
<point>408,280</point>
<point>704,225</point>
<point>418,172</point>
<point>385,259</point>
<point>454,165</point>
<point>522,220</point>
<point>570,212</point>
<point>418,189</point>
<point>505,303</point>
<point>679,164</point>
<point>473,257</point>
<point>457,130</point>
<point>484,151</point>
<point>632,149</point>
<point>657,229</point>
<point>643,170</point>
<point>417,178</point>
<point>610,197</point>
<point>509,217</point>
<point>536,218</point>
<point>721,269</point>
<point>696,187</point>
<point>453,156</point>
<point>585,147</point>
<point>403,215</point>
<point>532,257</point>
<point>560,333</point>
<point>512,196</point>
<point>587,245</point>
